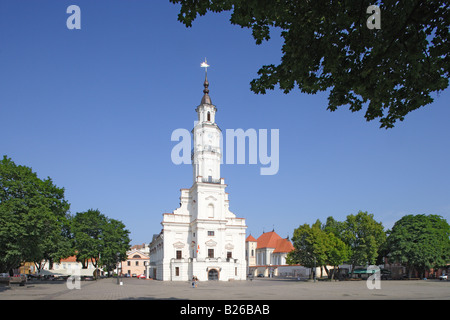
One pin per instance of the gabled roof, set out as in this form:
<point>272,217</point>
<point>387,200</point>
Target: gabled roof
<point>283,245</point>
<point>273,240</point>
<point>250,238</point>
<point>268,240</point>
<point>134,252</point>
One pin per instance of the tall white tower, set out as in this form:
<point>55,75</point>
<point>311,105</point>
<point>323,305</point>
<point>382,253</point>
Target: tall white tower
<point>207,153</point>
<point>201,238</point>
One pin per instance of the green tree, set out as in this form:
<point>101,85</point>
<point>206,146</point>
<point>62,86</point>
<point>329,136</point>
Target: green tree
<point>87,229</point>
<point>365,238</point>
<point>315,247</point>
<point>328,47</point>
<point>56,244</point>
<point>32,212</point>
<point>98,239</point>
<point>420,242</point>
<point>117,243</point>
<point>303,252</point>
<point>335,227</point>
<point>338,252</point>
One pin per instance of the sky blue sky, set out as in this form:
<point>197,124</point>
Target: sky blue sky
<point>95,108</point>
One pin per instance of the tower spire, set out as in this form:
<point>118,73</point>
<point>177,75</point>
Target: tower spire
<point>206,98</point>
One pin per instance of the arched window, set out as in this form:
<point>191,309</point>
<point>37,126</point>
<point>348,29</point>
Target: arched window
<point>136,256</point>
<point>209,116</point>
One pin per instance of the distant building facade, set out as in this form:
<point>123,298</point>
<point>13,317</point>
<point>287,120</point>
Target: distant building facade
<point>136,264</point>
<point>67,267</point>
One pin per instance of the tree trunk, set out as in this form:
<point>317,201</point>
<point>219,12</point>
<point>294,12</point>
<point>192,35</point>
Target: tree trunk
<point>332,273</point>
<point>327,271</point>
<point>39,266</point>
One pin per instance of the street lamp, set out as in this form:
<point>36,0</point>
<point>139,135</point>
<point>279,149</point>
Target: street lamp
<point>118,267</point>
<point>314,269</point>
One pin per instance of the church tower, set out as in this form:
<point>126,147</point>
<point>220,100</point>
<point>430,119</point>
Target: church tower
<point>201,238</point>
<point>207,153</point>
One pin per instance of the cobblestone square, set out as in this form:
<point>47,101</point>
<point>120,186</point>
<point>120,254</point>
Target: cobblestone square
<point>258,289</point>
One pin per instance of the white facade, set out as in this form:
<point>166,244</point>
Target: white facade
<point>67,267</point>
<point>201,238</point>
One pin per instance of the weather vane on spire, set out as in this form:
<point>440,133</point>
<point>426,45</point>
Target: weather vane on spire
<point>205,65</point>
<point>206,99</point>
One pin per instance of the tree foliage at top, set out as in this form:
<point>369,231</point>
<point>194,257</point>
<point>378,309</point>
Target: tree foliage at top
<point>389,71</point>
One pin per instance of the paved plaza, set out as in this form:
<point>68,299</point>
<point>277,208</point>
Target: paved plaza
<point>258,289</point>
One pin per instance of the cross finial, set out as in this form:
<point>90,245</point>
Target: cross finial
<point>206,99</point>
<point>205,65</point>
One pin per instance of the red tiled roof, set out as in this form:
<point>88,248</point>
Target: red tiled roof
<point>72,259</point>
<point>273,240</point>
<point>283,245</point>
<point>268,240</point>
<point>138,246</point>
<point>250,238</point>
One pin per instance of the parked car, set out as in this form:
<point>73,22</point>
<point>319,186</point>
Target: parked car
<point>260,275</point>
<point>4,278</point>
<point>141,276</point>
<point>386,274</point>
<point>443,277</point>
<point>87,278</point>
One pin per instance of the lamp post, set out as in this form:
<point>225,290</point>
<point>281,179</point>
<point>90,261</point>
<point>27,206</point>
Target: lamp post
<point>314,269</point>
<point>118,266</point>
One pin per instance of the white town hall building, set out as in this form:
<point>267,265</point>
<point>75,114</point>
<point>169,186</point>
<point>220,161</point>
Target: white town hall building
<point>201,238</point>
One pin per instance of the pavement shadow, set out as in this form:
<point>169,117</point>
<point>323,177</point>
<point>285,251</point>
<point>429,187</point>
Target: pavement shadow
<point>152,298</point>
<point>4,288</point>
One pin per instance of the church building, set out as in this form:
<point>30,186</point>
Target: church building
<point>202,238</point>
<point>266,256</point>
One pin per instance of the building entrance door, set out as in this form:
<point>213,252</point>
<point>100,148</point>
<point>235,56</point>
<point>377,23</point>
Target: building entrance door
<point>213,274</point>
